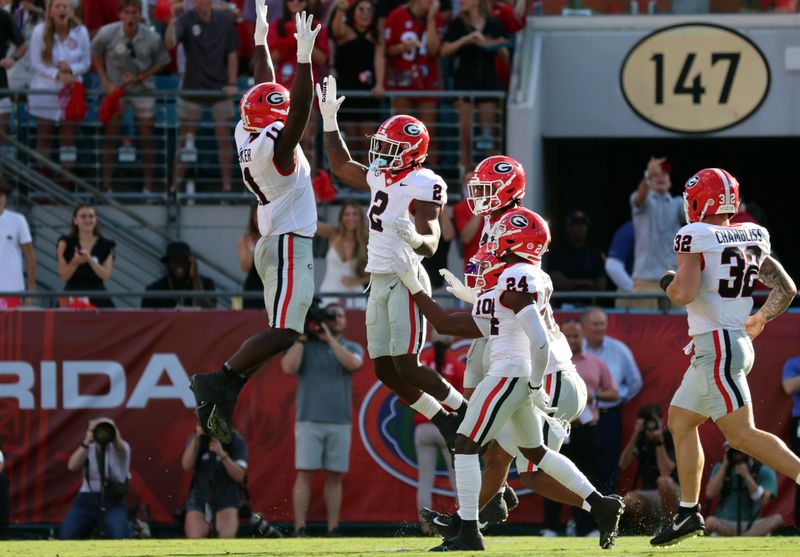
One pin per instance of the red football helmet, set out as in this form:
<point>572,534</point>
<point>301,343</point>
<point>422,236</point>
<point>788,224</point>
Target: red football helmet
<point>263,104</point>
<point>712,191</point>
<point>483,270</point>
<point>521,232</point>
<point>400,142</point>
<point>495,183</point>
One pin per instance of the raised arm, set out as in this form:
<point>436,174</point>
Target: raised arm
<point>783,291</point>
<point>263,70</point>
<point>342,164</point>
<point>302,94</point>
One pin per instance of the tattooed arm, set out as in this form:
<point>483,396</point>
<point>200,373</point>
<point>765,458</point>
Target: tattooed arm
<point>780,297</point>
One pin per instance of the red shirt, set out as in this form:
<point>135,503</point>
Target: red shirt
<point>594,372</point>
<point>414,70</point>
<point>461,216</point>
<point>284,51</point>
<point>507,17</point>
<point>452,370</point>
<point>97,13</point>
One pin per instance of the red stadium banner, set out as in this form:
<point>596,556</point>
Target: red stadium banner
<point>59,368</point>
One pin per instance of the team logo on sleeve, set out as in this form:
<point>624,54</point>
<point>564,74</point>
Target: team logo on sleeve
<point>276,98</point>
<point>412,130</point>
<point>692,182</point>
<point>503,167</point>
<point>519,221</point>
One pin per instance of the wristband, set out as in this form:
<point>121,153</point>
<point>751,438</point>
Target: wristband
<point>666,280</point>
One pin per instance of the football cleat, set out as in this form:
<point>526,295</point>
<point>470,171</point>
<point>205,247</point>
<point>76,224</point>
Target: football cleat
<point>607,514</point>
<point>445,525</point>
<point>215,399</point>
<point>468,539</point>
<point>511,499</point>
<point>683,526</point>
<point>447,423</point>
<point>495,511</point>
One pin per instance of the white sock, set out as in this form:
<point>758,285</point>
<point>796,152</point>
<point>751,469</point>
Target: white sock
<point>586,506</point>
<point>427,406</point>
<point>468,485</point>
<point>454,399</point>
<point>564,471</point>
<point>797,479</point>
<point>688,504</point>
<point>501,490</point>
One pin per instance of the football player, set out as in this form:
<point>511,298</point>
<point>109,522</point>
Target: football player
<point>514,312</point>
<point>277,172</point>
<point>718,265</point>
<point>401,190</point>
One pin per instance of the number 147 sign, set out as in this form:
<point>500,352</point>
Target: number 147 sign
<point>695,78</point>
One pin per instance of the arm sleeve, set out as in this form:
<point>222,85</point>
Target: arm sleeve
<point>454,31</point>
<point>39,65</point>
<point>616,270</point>
<point>530,321</point>
<point>239,451</point>
<point>632,375</point>
<point>232,44</point>
<point>791,369</point>
<point>639,210</point>
<point>81,66</point>
<point>606,379</point>
<point>24,232</point>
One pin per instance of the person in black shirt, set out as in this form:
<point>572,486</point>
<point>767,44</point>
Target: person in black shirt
<point>85,258</point>
<point>576,265</point>
<point>655,496</point>
<point>182,274</point>
<point>10,34</point>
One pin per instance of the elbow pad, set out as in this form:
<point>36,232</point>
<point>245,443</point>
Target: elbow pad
<point>531,323</point>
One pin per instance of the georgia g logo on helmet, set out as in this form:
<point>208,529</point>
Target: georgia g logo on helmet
<point>503,167</point>
<point>518,220</point>
<point>692,182</point>
<point>276,98</point>
<point>412,130</point>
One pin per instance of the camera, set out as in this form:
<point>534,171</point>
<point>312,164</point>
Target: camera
<point>315,316</point>
<point>104,433</point>
<point>652,425</point>
<point>736,457</point>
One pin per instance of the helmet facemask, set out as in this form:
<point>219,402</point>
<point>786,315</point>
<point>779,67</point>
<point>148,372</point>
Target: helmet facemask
<point>392,158</point>
<point>482,196</point>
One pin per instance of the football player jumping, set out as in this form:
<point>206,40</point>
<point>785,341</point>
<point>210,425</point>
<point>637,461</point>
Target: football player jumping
<point>718,264</point>
<point>401,190</point>
<point>277,172</point>
<point>514,312</point>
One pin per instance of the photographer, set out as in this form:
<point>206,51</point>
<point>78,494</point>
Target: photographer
<point>215,495</point>
<point>324,362</point>
<point>105,459</point>
<point>743,486</point>
<point>657,496</point>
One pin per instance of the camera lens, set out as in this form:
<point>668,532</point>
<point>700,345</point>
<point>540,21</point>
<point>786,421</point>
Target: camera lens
<point>104,433</point>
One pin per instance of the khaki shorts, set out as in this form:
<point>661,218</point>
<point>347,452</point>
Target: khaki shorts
<point>498,401</point>
<point>477,362</point>
<point>716,382</point>
<point>322,446</point>
<point>286,267</point>
<point>395,326</point>
<point>143,107</point>
<point>191,111</point>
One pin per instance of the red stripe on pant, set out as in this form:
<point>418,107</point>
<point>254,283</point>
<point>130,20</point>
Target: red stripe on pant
<point>289,281</point>
<point>717,377</point>
<point>486,404</point>
<point>548,384</point>
<point>412,318</point>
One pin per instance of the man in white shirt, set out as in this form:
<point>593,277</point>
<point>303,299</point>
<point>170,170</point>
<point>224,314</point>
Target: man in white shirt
<point>15,240</point>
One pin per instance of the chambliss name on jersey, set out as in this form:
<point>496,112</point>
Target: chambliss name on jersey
<point>731,257</point>
<point>391,199</point>
<point>285,199</point>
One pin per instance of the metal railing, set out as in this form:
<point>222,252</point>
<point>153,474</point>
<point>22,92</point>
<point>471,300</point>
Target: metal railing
<point>119,157</point>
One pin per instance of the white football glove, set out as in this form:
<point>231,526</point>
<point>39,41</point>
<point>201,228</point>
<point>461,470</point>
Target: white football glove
<point>407,231</point>
<point>458,288</point>
<point>305,37</point>
<point>408,272</point>
<point>541,399</point>
<point>262,27</point>
<point>328,103</point>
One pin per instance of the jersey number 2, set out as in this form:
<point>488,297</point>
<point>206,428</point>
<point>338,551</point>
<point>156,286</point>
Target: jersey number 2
<point>743,271</point>
<point>379,205</point>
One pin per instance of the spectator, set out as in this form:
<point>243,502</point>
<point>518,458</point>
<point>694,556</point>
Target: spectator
<point>16,242</point>
<point>412,37</point>
<point>584,442</point>
<point>511,15</point>
<point>474,39</point>
<point>247,248</point>
<point>619,359</point>
<point>654,496</point>
<point>347,254</point>
<point>98,13</point>
<point>59,56</point>
<point>743,486</point>
<point>355,32</point>
<point>324,362</point>
<point>791,385</point>
<point>469,227</point>
<point>209,41</point>
<point>619,263</point>
<point>5,500</point>
<point>657,216</point>
<point>26,14</point>
<point>85,258</point>
<point>576,265</point>
<point>104,459</point>
<point>428,442</point>
<point>127,54</point>
<point>182,274</point>
<point>215,495</point>
<point>9,35</point>
<point>283,46</point>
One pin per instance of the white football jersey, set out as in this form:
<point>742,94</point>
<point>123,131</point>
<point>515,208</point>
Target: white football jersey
<point>731,257</point>
<point>285,201</point>
<point>391,199</point>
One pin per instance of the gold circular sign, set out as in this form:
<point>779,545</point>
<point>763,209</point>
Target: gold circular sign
<point>695,78</point>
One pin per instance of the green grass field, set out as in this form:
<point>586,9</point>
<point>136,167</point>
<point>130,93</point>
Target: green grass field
<point>513,546</point>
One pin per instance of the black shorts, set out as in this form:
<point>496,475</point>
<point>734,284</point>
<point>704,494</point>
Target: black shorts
<point>227,498</point>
